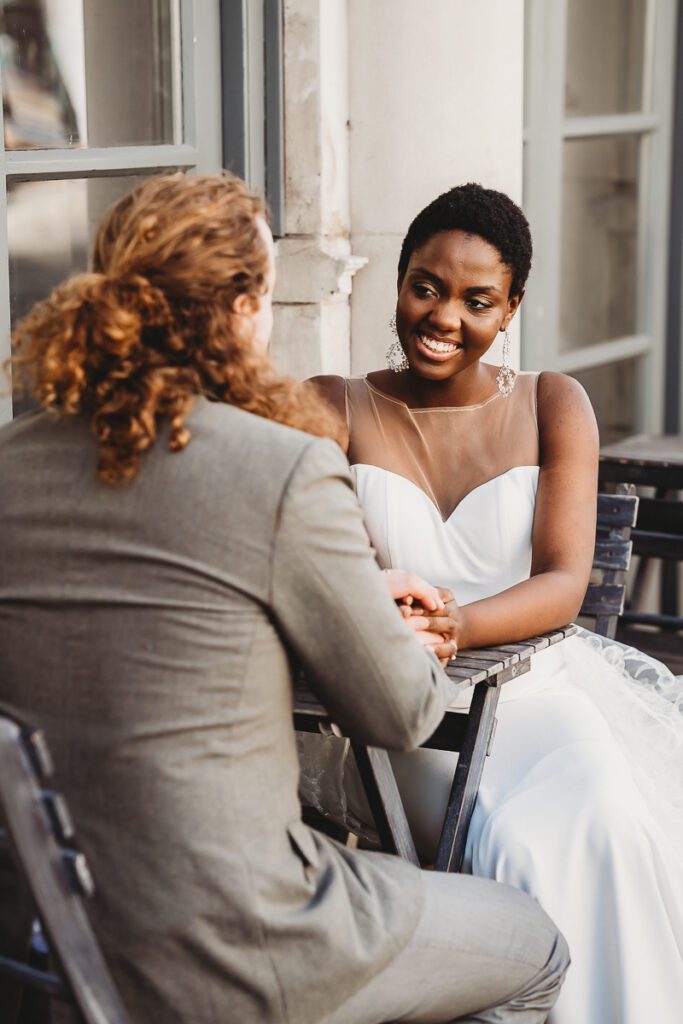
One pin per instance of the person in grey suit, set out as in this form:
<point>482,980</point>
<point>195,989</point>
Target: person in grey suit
<point>174,540</point>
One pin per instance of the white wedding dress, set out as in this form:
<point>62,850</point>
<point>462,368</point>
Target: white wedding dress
<point>581,800</point>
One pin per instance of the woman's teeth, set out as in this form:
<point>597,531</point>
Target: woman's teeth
<point>437,346</point>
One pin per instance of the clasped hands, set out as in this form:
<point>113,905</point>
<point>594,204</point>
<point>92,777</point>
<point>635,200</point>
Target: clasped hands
<point>431,612</point>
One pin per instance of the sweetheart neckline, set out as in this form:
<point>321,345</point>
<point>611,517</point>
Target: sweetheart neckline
<point>430,500</point>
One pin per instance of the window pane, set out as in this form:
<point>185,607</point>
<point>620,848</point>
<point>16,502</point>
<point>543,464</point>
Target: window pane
<point>613,389</point>
<point>599,240</point>
<point>605,56</point>
<point>79,73</point>
<point>51,227</point>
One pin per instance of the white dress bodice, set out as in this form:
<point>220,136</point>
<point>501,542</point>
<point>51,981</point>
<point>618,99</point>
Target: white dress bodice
<point>482,548</point>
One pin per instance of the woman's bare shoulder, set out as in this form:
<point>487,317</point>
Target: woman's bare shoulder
<point>565,414</point>
<point>560,396</point>
<point>333,389</point>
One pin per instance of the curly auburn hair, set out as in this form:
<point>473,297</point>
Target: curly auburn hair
<point>478,211</point>
<point>132,344</point>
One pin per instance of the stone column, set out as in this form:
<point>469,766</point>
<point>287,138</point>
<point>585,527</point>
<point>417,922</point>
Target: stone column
<point>315,262</point>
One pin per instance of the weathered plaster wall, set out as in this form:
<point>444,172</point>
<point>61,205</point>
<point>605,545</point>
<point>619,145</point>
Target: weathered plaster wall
<point>435,99</point>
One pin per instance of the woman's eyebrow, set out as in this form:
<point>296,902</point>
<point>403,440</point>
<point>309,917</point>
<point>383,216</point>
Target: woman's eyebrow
<point>484,288</point>
<point>423,272</point>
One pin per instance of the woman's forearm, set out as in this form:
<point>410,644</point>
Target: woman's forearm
<point>534,606</point>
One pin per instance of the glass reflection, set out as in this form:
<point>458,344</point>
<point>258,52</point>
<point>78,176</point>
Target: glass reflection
<point>51,227</point>
<point>89,72</point>
<point>605,56</point>
<point>599,240</point>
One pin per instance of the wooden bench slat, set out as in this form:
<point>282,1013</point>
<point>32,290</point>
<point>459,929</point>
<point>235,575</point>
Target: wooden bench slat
<point>494,656</point>
<point>523,650</point>
<point>538,643</point>
<point>617,509</point>
<point>612,554</point>
<point>463,672</point>
<point>489,668</point>
<point>603,599</point>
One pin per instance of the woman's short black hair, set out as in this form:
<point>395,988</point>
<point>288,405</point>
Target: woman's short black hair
<point>478,211</point>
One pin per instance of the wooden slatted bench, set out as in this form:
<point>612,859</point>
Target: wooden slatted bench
<point>469,733</point>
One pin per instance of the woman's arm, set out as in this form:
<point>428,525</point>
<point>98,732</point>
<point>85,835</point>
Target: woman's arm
<point>333,390</point>
<point>564,526</point>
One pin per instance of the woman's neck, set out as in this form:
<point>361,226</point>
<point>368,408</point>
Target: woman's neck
<point>471,386</point>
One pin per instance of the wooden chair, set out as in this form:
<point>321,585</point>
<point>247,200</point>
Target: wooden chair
<point>471,735</point>
<point>605,597</point>
<point>40,834</point>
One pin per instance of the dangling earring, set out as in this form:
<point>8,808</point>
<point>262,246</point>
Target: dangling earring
<point>396,357</point>
<point>506,375</point>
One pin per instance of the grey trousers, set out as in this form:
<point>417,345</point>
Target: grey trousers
<point>482,952</point>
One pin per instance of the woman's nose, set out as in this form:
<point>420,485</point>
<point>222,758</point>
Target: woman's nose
<point>446,316</point>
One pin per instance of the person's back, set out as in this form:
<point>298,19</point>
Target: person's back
<point>137,630</point>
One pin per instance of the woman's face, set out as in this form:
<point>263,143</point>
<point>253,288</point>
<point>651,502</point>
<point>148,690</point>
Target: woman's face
<point>452,301</point>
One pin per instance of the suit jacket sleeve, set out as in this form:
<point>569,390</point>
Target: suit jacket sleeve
<point>335,612</point>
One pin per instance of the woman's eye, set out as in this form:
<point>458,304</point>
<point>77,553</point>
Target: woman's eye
<point>424,291</point>
<point>479,305</point>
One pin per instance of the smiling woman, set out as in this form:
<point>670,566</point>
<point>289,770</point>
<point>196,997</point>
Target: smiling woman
<point>475,477</point>
<point>453,299</point>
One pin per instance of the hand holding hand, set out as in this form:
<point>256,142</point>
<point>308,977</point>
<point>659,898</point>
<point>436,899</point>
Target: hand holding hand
<point>409,589</point>
<point>436,631</point>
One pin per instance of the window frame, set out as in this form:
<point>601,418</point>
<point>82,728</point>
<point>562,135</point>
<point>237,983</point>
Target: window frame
<point>547,129</point>
<point>196,57</point>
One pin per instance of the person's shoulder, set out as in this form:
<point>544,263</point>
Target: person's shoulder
<point>257,440</point>
<point>27,422</point>
<point>555,385</point>
<point>564,408</point>
<point>557,390</point>
<point>39,431</point>
<point>332,388</point>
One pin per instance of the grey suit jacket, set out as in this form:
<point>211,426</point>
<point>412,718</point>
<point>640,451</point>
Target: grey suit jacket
<point>151,631</point>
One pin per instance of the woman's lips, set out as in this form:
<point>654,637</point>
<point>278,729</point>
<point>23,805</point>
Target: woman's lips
<point>437,351</point>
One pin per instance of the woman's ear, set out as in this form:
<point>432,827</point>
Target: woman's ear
<point>513,306</point>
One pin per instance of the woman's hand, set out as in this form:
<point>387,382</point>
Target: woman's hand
<point>439,630</point>
<point>445,650</point>
<point>431,612</point>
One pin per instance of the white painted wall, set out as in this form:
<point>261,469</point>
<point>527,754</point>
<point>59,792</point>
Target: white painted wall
<point>435,99</point>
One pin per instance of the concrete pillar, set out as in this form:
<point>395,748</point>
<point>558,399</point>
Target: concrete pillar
<point>315,261</point>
